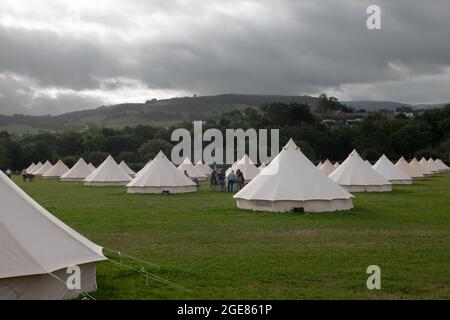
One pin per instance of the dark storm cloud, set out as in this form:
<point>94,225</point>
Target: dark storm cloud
<point>112,50</point>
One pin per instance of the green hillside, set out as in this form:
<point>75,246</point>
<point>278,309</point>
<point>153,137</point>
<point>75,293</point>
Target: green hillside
<point>158,113</point>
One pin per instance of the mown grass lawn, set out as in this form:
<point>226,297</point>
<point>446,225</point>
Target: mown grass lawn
<point>204,243</point>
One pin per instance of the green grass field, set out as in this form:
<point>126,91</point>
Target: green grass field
<point>205,244</point>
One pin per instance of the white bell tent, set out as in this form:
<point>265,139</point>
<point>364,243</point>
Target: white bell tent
<point>56,171</point>
<point>30,168</point>
<point>432,165</point>
<point>418,167</point>
<point>191,170</point>
<point>160,176</point>
<point>36,250</point>
<point>388,170</point>
<point>45,167</point>
<point>327,168</point>
<point>441,165</point>
<point>203,168</point>
<point>108,174</point>
<point>292,182</point>
<point>36,168</point>
<point>91,166</point>
<point>247,167</point>
<point>78,172</point>
<point>356,175</point>
<point>123,165</point>
<point>409,170</point>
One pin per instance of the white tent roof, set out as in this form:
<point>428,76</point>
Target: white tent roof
<point>319,164</point>
<point>79,171</point>
<point>36,167</point>
<point>336,165</point>
<point>327,168</point>
<point>247,167</point>
<point>161,172</point>
<point>146,165</point>
<point>354,171</point>
<point>57,170</point>
<point>108,171</point>
<point>424,163</point>
<point>262,166</point>
<point>31,167</point>
<point>291,176</point>
<point>123,165</point>
<point>91,166</point>
<point>416,165</point>
<point>35,242</point>
<point>407,169</point>
<point>228,171</point>
<point>388,170</point>
<point>47,166</point>
<point>441,165</point>
<point>432,165</point>
<point>191,170</point>
<point>203,167</point>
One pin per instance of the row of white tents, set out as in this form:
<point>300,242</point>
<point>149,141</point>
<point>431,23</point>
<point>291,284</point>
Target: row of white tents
<point>292,182</point>
<point>353,175</point>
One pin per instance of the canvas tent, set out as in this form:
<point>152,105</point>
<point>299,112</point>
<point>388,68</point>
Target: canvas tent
<point>146,165</point>
<point>36,249</point>
<point>441,165</point>
<point>79,172</point>
<point>203,168</point>
<point>191,170</point>
<point>91,166</point>
<point>418,167</point>
<point>262,166</point>
<point>407,169</point>
<point>424,163</point>
<point>336,165</point>
<point>126,168</point>
<point>432,165</point>
<point>355,175</point>
<point>36,167</point>
<point>45,167</point>
<point>228,171</point>
<point>31,167</point>
<point>247,167</point>
<point>107,174</point>
<point>327,168</point>
<point>160,176</point>
<point>292,181</point>
<point>56,171</point>
<point>319,164</point>
<point>388,170</point>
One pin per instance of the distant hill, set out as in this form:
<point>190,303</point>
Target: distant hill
<point>165,112</point>
<point>158,113</point>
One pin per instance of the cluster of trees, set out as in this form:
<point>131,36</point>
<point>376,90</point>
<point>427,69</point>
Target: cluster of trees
<point>428,134</point>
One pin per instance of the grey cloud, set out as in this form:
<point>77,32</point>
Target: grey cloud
<point>283,47</point>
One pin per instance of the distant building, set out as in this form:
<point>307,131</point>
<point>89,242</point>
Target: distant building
<point>404,110</point>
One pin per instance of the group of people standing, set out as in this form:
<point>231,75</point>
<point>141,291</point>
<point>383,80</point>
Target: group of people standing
<point>218,179</point>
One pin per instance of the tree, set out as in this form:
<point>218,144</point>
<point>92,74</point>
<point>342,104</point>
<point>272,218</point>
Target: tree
<point>151,148</point>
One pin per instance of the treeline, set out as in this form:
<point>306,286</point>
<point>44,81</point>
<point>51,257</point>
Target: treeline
<point>428,134</point>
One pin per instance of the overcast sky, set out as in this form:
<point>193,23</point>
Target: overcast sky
<point>58,56</point>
